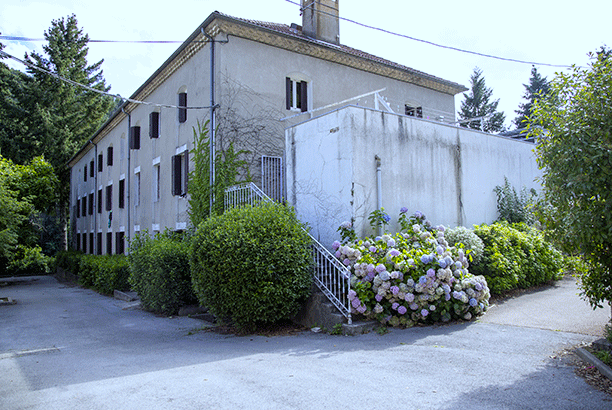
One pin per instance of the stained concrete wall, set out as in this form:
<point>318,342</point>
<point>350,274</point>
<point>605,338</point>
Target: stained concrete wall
<point>444,171</point>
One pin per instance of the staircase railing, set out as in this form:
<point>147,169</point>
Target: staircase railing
<point>330,275</point>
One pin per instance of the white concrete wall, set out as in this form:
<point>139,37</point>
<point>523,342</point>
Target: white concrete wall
<point>446,172</point>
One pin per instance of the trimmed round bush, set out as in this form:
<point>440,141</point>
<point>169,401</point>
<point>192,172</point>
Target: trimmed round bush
<point>469,239</point>
<point>516,256</point>
<point>252,265</point>
<point>159,271</point>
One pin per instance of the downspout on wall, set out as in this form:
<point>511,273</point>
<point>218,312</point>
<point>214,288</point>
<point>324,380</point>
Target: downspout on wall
<point>212,119</point>
<point>127,176</point>
<point>378,189</point>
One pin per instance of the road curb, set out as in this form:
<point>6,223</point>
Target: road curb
<point>601,366</point>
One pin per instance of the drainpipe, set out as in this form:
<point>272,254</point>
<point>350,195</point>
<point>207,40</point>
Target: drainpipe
<point>127,176</point>
<point>212,119</point>
<point>378,189</point>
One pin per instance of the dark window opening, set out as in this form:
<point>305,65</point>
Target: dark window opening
<point>84,237</point>
<point>296,94</point>
<point>120,243</point>
<point>109,156</point>
<point>84,206</point>
<point>109,243</point>
<point>182,103</point>
<point>78,241</point>
<point>78,208</point>
<point>154,125</point>
<point>100,163</point>
<point>100,202</point>
<point>135,137</point>
<point>91,243</point>
<point>122,193</point>
<point>109,197</point>
<point>91,204</point>
<point>85,174</point>
<point>180,173</point>
<point>413,111</point>
<point>99,242</point>
<point>91,168</point>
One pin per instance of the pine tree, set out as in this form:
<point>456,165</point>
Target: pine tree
<point>63,116</point>
<point>538,87</point>
<point>477,104</point>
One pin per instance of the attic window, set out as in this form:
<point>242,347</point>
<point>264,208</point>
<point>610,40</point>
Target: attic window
<point>296,94</point>
<point>412,111</point>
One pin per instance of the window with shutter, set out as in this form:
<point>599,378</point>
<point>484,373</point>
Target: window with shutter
<point>99,243</point>
<point>109,156</point>
<point>154,125</point>
<point>92,248</point>
<point>84,237</point>
<point>99,201</point>
<point>296,94</point>
<point>78,241</point>
<point>135,137</point>
<point>180,173</point>
<point>122,193</point>
<point>182,111</point>
<point>109,243</point>
<point>91,168</point>
<point>78,208</point>
<point>91,204</point>
<point>85,174</point>
<point>100,163</point>
<point>120,243</point>
<point>84,206</point>
<point>109,197</point>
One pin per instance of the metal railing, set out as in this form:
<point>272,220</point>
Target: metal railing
<point>330,275</point>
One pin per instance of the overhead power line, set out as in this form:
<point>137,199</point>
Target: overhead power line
<point>18,38</point>
<point>513,60</point>
<point>76,84</point>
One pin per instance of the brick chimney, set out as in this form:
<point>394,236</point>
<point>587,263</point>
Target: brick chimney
<point>320,20</point>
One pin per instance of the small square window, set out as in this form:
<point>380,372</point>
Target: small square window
<point>413,111</point>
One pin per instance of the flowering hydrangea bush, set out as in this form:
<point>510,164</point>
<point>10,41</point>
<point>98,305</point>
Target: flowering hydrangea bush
<point>412,276</point>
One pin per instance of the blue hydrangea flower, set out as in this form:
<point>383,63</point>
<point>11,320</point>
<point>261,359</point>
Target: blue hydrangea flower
<point>423,280</point>
<point>336,245</point>
<point>403,210</point>
<point>424,312</point>
<point>473,302</point>
<point>394,290</point>
<point>431,273</point>
<point>419,215</point>
<point>402,310</point>
<point>394,252</point>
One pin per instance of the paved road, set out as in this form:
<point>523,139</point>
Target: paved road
<point>70,348</point>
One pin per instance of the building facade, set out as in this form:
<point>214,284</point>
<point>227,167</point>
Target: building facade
<point>251,80</point>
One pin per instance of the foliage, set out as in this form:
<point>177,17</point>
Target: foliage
<point>513,207</point>
<point>573,125</point>
<point>478,103</point>
<point>29,260</point>
<point>516,256</point>
<point>159,271</point>
<point>228,167</point>
<point>412,277</point>
<point>104,273</point>
<point>379,219</point>
<point>69,260</point>
<point>23,190</point>
<point>252,265</point>
<point>466,239</point>
<point>538,88</point>
<point>347,232</point>
<point>61,116</point>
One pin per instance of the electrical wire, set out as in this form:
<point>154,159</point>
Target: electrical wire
<point>17,38</point>
<point>513,60</point>
<point>76,84</point>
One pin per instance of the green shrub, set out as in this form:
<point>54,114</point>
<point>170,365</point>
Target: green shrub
<point>69,260</point>
<point>252,265</point>
<point>160,273</point>
<point>29,260</point>
<point>104,273</point>
<point>516,256</point>
<point>471,242</point>
<point>513,207</point>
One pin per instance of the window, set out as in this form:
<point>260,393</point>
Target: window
<point>122,193</point>
<point>100,203</point>
<point>92,247</point>
<point>91,168</point>
<point>109,197</point>
<point>120,243</point>
<point>84,206</point>
<point>100,163</point>
<point>78,241</point>
<point>84,237</point>
<point>99,241</point>
<point>180,173</point>
<point>154,125</point>
<point>85,174</point>
<point>78,208</point>
<point>135,137</point>
<point>137,189</point>
<point>109,156</point>
<point>91,204</point>
<point>413,111</point>
<point>182,103</point>
<point>296,94</point>
<point>156,182</point>
<point>109,243</point>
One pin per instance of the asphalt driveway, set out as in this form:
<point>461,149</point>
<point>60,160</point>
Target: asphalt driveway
<point>70,348</point>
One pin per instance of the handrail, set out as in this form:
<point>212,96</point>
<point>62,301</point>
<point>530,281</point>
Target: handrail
<point>330,275</point>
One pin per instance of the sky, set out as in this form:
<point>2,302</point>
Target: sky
<point>546,32</point>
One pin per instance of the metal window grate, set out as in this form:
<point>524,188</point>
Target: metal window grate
<point>272,177</point>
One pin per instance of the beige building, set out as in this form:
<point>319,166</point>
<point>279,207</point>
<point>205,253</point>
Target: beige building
<point>260,78</point>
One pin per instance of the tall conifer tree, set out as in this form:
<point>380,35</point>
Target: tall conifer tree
<point>478,104</point>
<point>538,88</point>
